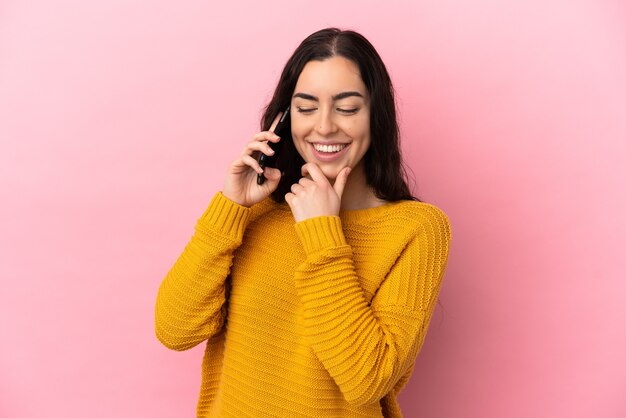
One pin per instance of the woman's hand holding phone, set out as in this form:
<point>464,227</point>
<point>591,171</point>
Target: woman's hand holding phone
<point>241,185</point>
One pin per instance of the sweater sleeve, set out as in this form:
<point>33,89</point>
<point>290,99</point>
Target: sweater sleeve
<point>190,301</point>
<point>369,347</point>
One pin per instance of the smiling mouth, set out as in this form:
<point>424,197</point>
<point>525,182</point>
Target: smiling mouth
<point>329,149</point>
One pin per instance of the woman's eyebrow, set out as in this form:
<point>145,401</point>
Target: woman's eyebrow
<point>336,97</point>
<point>345,94</point>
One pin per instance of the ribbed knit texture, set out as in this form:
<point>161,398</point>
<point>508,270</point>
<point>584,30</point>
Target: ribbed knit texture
<point>320,318</point>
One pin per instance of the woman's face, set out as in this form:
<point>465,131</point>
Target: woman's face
<point>330,116</point>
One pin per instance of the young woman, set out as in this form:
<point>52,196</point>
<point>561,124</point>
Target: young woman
<point>312,291</point>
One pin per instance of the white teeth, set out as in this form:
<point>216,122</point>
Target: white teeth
<point>328,148</point>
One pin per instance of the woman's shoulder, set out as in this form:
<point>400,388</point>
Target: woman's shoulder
<point>397,225</point>
<point>422,217</point>
<point>423,211</point>
<point>402,212</point>
<point>400,221</point>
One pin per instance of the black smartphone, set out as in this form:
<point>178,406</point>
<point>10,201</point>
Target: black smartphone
<point>268,160</point>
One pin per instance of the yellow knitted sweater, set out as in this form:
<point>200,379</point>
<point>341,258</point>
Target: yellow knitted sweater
<point>320,318</point>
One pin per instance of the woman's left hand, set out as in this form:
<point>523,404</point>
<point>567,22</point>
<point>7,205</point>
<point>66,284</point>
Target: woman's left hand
<point>315,196</point>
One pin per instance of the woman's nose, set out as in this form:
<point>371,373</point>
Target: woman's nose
<point>326,124</point>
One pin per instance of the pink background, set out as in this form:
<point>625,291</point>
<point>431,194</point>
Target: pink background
<point>118,120</point>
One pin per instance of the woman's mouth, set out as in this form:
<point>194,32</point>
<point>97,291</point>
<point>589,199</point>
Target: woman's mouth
<point>329,148</point>
<point>328,152</point>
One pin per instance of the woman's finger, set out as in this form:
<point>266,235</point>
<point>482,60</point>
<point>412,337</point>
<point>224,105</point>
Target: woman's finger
<point>296,187</point>
<point>315,171</point>
<point>251,162</point>
<point>306,182</point>
<point>272,174</point>
<point>257,146</point>
<point>341,180</point>
<point>265,136</point>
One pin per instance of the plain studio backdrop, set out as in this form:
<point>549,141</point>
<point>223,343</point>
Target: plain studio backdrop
<point>118,120</point>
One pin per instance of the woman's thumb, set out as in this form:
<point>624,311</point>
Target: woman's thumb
<point>340,181</point>
<point>273,176</point>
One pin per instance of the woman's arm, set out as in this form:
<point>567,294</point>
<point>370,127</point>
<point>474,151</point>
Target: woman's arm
<point>368,347</point>
<point>190,302</point>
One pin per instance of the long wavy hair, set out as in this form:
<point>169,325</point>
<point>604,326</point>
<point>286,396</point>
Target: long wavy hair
<point>384,170</point>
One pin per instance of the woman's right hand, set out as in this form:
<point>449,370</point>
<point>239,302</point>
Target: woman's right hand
<point>240,185</point>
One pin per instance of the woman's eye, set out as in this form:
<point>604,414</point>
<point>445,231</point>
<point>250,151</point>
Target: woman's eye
<point>348,111</point>
<point>306,109</point>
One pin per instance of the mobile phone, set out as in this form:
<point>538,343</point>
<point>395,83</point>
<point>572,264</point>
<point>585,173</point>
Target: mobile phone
<point>268,160</point>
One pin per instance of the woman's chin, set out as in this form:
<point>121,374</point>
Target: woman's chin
<point>330,170</point>
<point>330,173</point>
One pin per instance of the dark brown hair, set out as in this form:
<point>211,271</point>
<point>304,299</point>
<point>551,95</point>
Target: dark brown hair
<point>384,169</point>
